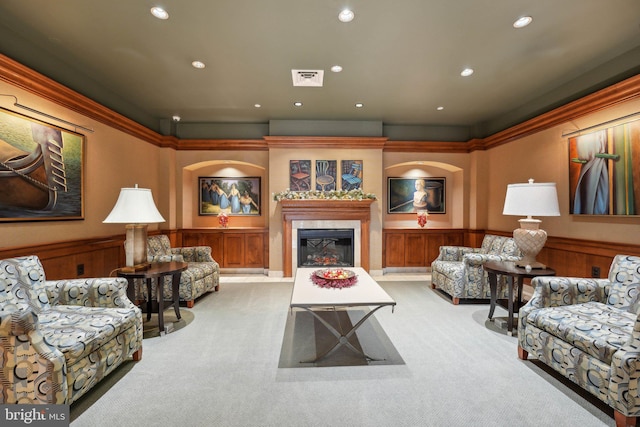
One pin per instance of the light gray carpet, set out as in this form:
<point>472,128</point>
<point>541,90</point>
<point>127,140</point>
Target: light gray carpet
<point>222,370</point>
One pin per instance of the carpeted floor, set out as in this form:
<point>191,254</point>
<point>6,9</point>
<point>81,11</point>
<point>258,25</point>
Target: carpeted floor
<point>222,369</point>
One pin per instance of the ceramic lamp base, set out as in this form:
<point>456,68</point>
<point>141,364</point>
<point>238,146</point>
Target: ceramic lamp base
<point>530,239</point>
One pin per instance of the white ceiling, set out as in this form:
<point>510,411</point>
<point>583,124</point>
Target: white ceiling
<point>400,58</point>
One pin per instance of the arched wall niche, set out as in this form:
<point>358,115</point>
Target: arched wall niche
<point>221,169</point>
<point>454,194</point>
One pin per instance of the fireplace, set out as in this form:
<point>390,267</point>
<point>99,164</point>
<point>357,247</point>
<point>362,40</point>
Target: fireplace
<point>324,214</point>
<point>325,247</point>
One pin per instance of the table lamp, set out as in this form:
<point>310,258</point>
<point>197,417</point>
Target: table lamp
<point>531,199</point>
<point>136,208</point>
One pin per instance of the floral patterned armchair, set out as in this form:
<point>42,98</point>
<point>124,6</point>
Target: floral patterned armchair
<point>589,331</point>
<point>58,338</point>
<point>203,274</point>
<point>459,271</point>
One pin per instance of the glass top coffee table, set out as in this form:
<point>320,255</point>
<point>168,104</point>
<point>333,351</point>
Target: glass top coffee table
<point>365,292</point>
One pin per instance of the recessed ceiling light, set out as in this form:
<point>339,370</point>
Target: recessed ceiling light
<point>336,68</point>
<point>175,118</point>
<point>359,105</point>
<point>522,22</point>
<point>198,64</point>
<point>159,13</point>
<point>466,72</point>
<point>346,15</point>
<point>440,108</point>
<point>298,104</point>
<point>257,105</point>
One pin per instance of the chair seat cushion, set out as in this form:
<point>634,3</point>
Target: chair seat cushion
<point>595,328</point>
<point>78,331</point>
<point>451,269</point>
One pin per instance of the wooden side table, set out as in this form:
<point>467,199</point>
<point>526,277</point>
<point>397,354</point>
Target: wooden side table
<point>514,274</point>
<point>156,272</point>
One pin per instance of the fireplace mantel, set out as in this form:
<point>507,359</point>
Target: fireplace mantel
<point>322,209</point>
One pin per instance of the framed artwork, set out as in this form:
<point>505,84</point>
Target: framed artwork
<point>604,171</point>
<point>351,174</point>
<point>300,175</point>
<point>41,170</point>
<point>234,196</point>
<point>406,195</point>
<point>326,173</point>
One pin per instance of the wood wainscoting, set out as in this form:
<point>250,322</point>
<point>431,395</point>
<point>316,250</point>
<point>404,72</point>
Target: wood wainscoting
<point>402,247</point>
<point>75,258</point>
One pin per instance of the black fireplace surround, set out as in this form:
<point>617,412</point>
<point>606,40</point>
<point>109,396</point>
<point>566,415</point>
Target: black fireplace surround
<point>323,247</point>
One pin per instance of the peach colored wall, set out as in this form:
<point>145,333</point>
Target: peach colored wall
<point>544,157</point>
<point>113,160</point>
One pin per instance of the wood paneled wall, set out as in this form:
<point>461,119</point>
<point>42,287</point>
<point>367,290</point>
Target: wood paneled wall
<point>99,257</point>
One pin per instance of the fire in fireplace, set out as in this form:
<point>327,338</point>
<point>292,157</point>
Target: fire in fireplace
<point>325,247</point>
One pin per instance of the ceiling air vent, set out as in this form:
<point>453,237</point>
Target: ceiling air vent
<point>308,78</point>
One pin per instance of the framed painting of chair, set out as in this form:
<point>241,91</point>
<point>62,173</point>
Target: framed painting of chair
<point>326,175</point>
<point>300,175</point>
<point>351,174</point>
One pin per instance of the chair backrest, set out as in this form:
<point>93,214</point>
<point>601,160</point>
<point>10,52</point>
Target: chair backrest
<point>499,245</point>
<point>624,276</point>
<point>22,285</point>
<point>158,245</point>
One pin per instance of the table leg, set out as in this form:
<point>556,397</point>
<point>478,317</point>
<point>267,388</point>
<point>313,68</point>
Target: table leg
<point>149,299</point>
<point>160,298</point>
<point>131,290</point>
<point>343,339</point>
<point>510,318</point>
<point>175,285</point>
<point>493,287</point>
<point>520,286</point>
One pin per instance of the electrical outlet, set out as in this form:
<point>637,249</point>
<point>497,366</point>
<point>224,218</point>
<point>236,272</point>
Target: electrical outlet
<point>80,269</point>
<point>595,271</point>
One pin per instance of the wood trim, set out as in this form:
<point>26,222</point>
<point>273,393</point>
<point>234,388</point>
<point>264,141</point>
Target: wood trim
<point>222,144</point>
<point>325,142</point>
<point>624,91</point>
<point>337,210</point>
<point>31,81</point>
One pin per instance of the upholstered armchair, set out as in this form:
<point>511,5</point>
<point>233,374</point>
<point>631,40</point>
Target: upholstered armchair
<point>203,274</point>
<point>589,331</point>
<point>59,338</point>
<point>459,271</point>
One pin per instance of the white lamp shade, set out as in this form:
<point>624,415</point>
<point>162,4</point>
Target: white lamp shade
<point>532,199</point>
<point>134,206</point>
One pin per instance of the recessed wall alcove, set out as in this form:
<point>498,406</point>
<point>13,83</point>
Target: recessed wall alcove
<point>190,193</point>
<point>454,197</point>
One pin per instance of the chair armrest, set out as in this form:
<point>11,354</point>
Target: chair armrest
<point>453,253</point>
<point>16,323</point>
<point>96,292</point>
<point>194,253</point>
<point>23,345</point>
<point>625,373</point>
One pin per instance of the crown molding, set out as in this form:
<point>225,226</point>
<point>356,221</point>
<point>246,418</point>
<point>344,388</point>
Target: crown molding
<point>31,81</point>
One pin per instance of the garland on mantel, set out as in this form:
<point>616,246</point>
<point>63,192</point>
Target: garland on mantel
<point>356,194</point>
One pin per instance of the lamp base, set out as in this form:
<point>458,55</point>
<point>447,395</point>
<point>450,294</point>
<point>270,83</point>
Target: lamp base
<point>530,239</point>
